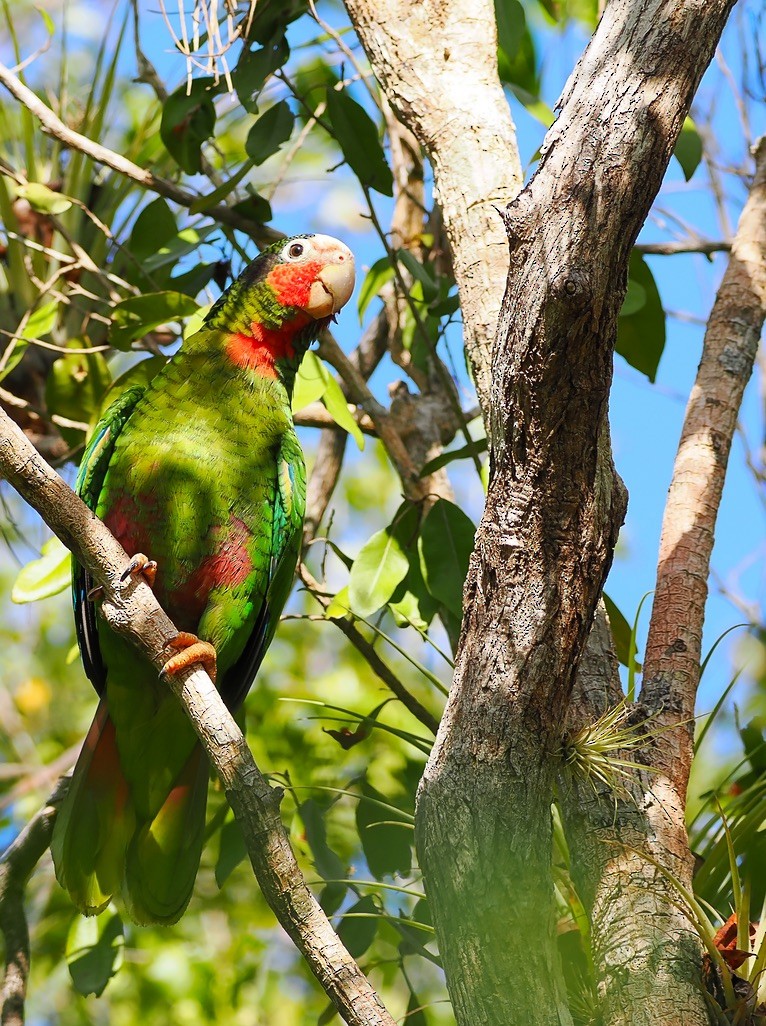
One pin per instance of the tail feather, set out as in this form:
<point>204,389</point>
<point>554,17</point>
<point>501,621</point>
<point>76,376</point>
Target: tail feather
<point>95,822</point>
<point>163,856</point>
<point>101,847</point>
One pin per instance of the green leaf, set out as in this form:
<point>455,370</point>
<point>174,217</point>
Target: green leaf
<point>153,228</point>
<point>688,151</point>
<point>46,576</point>
<point>516,49</point>
<point>188,120</point>
<point>75,389</point>
<point>539,110</point>
<point>340,606</point>
<point>218,195</point>
<point>415,1015</point>
<point>42,199</point>
<point>419,272</point>
<point>231,851</point>
<point>635,299</point>
<point>387,847</point>
<point>357,932</point>
<point>357,136</point>
<point>310,381</point>
<point>327,863</point>
<point>337,407</point>
<point>269,132</point>
<point>621,632</point>
<point>380,566</point>
<point>41,322</point>
<point>170,252</point>
<point>381,272</point>
<point>94,950</point>
<point>255,66</point>
<point>641,335</point>
<point>445,546</point>
<point>135,317</point>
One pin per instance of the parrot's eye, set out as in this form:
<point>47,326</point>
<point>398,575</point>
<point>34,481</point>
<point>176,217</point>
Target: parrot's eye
<point>295,250</point>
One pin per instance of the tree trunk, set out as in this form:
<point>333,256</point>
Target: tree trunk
<point>554,507</point>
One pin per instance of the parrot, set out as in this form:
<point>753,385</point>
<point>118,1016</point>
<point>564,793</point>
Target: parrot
<point>200,476</point>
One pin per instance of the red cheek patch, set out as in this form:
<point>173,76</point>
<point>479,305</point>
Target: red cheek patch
<point>292,282</point>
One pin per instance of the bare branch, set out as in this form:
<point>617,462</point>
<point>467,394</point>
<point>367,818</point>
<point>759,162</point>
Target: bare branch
<point>672,662</point>
<point>16,866</point>
<point>131,608</point>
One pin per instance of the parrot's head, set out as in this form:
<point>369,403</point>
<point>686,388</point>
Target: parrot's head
<point>313,274</point>
<point>282,301</point>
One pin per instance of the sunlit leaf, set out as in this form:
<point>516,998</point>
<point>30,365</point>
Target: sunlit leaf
<point>381,272</point>
<point>42,199</point>
<point>137,316</point>
<point>688,151</point>
<point>337,407</point>
<point>75,389</point>
<point>380,566</point>
<point>310,381</point>
<point>94,950</point>
<point>46,576</point>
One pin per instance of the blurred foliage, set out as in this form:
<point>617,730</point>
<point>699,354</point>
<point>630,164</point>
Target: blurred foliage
<point>99,279</point>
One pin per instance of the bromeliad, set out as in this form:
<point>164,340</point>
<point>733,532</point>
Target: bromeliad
<point>201,471</point>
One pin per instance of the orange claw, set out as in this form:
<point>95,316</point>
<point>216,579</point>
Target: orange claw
<point>190,650</point>
<point>141,564</point>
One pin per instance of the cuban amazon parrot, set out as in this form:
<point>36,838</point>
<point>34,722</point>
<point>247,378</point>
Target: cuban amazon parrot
<point>201,478</point>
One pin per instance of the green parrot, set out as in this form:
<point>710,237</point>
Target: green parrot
<point>201,470</point>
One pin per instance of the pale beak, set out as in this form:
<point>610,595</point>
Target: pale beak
<point>332,290</point>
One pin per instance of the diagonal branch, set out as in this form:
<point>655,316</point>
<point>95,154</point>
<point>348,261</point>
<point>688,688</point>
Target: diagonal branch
<point>131,608</point>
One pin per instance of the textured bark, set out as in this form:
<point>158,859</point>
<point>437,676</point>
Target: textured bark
<point>645,951</point>
<point>131,608</point>
<point>437,62</point>
<point>554,507</point>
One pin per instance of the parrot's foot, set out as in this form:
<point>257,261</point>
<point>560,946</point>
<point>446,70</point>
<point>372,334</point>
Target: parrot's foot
<point>190,650</point>
<point>141,564</point>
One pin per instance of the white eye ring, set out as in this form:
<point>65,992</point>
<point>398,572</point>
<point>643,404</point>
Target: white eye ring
<point>294,251</point>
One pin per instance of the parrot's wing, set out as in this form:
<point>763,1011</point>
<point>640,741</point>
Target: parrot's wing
<point>90,480</point>
<point>288,509</point>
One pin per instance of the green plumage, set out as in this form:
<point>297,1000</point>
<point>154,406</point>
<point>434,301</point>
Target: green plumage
<point>203,472</point>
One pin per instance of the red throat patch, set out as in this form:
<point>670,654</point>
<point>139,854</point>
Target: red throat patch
<point>261,350</point>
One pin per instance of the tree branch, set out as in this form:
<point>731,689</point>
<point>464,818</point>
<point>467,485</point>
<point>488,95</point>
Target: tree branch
<point>52,124</point>
<point>16,866</point>
<point>438,67</point>
<point>131,608</point>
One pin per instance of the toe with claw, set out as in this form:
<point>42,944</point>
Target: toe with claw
<point>143,566</point>
<point>189,650</point>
